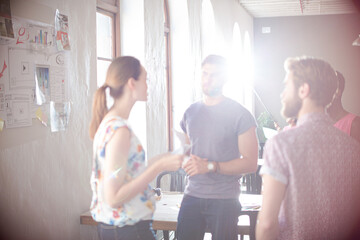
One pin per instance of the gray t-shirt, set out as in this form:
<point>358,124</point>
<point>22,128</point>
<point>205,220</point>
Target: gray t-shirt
<point>213,133</point>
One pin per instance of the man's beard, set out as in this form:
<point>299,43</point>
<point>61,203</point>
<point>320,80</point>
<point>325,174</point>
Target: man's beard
<point>213,92</point>
<point>291,108</point>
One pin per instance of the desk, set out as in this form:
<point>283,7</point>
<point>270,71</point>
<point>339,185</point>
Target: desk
<point>167,209</point>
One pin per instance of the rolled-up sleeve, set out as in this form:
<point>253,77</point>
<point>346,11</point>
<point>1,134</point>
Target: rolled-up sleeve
<point>275,163</point>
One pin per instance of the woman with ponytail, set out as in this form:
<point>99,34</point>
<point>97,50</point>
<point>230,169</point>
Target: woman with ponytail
<point>123,202</point>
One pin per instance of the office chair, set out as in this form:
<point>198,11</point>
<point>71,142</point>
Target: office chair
<point>177,184</point>
<point>253,182</point>
<point>177,180</point>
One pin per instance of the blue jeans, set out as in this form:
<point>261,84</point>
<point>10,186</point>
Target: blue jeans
<point>140,231</point>
<point>219,216</point>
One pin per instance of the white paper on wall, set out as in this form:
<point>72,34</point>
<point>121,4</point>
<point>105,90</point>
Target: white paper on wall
<point>32,64</point>
<point>3,79</point>
<point>58,76</point>
<point>59,116</point>
<point>42,114</point>
<point>2,100</point>
<point>62,29</point>
<point>33,35</point>
<point>42,84</point>
<point>21,74</point>
<point>18,110</point>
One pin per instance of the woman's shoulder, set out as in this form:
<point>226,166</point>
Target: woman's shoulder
<point>114,122</point>
<point>108,127</point>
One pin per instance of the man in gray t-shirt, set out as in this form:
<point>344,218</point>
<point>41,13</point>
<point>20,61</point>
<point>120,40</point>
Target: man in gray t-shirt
<point>224,146</point>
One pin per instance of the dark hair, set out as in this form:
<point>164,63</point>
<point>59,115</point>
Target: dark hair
<point>118,73</point>
<point>214,59</point>
<point>317,73</point>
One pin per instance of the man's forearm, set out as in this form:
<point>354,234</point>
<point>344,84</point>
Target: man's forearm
<point>238,166</point>
<point>267,231</point>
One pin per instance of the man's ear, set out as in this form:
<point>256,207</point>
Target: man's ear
<point>304,91</point>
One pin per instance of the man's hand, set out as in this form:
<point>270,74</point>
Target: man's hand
<point>196,165</point>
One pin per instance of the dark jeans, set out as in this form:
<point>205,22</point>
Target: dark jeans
<point>219,216</point>
<point>140,231</point>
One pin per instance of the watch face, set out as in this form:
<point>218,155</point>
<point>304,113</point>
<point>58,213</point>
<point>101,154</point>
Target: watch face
<point>210,166</point>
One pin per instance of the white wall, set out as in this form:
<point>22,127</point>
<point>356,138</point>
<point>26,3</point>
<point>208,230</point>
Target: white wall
<point>155,60</point>
<point>44,176</point>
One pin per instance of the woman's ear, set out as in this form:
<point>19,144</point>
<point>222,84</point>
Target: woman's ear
<point>131,83</point>
<point>304,91</point>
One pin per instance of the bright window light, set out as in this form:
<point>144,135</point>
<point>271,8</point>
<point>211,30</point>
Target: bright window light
<point>234,87</point>
<point>208,35</point>
<point>248,64</point>
<point>104,44</point>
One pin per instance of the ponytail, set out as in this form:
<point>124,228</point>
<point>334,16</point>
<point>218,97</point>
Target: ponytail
<point>99,110</point>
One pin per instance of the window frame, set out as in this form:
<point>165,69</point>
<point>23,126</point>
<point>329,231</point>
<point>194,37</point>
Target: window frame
<point>112,11</point>
<point>169,115</point>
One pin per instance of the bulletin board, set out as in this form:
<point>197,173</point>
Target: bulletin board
<point>34,76</point>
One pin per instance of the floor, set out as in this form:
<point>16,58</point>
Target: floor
<point>206,237</point>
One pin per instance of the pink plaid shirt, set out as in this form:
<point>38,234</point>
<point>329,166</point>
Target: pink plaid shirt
<point>320,166</point>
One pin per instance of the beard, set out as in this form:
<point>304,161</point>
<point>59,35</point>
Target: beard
<point>291,107</point>
<point>212,91</point>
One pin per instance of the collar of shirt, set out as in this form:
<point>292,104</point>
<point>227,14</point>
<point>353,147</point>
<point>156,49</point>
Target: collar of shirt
<point>314,117</point>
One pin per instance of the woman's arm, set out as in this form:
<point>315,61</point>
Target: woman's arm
<point>116,192</point>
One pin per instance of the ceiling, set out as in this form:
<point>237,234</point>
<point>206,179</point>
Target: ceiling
<point>280,8</point>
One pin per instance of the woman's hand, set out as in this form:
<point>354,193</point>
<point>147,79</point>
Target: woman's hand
<point>196,165</point>
<point>170,161</point>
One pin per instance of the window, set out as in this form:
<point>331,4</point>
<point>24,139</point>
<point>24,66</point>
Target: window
<point>234,87</point>
<point>183,84</point>
<point>248,74</point>
<point>240,84</point>
<point>208,36</point>
<point>106,37</point>
<point>132,29</point>
<point>104,44</point>
<point>212,41</point>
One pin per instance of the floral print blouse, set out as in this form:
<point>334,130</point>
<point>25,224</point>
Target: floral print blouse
<point>142,206</point>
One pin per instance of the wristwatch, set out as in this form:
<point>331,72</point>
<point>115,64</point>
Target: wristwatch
<point>211,167</point>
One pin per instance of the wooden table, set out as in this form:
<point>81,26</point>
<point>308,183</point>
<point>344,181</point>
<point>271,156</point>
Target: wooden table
<point>167,209</point>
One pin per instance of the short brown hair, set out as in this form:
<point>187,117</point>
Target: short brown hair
<point>317,73</point>
<point>216,60</point>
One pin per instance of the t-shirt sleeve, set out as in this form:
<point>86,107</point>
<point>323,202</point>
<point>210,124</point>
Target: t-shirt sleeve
<point>275,163</point>
<point>183,123</point>
<point>244,122</point>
